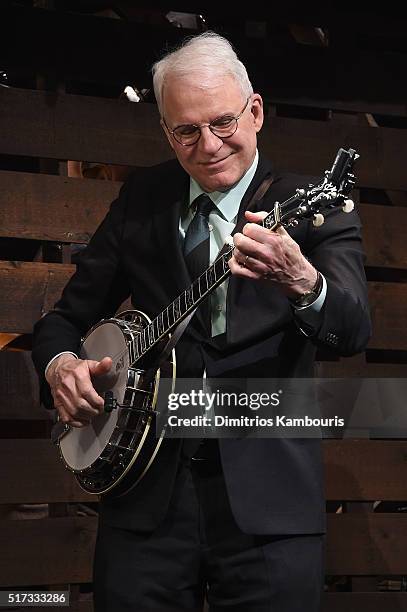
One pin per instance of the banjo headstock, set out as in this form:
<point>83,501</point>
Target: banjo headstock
<point>309,203</point>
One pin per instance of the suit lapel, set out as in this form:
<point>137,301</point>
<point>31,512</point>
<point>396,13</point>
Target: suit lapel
<point>170,199</point>
<point>263,169</point>
<point>168,203</point>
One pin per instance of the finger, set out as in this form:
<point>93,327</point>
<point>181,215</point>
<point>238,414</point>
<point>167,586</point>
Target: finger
<point>241,271</point>
<point>255,217</point>
<point>78,423</point>
<point>83,410</point>
<point>64,403</point>
<point>93,398</point>
<point>252,269</point>
<point>75,407</point>
<point>260,233</point>
<point>67,418</point>
<point>63,415</point>
<point>84,390</point>
<point>240,257</point>
<point>253,248</point>
<point>251,264</point>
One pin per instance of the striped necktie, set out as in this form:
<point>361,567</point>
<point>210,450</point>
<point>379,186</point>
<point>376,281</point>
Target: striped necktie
<point>197,245</point>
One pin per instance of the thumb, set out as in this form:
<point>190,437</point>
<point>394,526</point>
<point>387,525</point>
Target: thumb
<point>255,217</point>
<point>97,368</point>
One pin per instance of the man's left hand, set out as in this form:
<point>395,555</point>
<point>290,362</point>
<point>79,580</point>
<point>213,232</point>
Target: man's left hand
<point>262,254</point>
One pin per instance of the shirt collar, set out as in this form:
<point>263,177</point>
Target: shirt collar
<point>227,202</point>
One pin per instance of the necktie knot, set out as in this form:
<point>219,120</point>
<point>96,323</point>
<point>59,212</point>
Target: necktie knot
<point>204,205</point>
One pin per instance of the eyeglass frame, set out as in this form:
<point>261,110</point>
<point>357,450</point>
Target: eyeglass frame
<point>202,125</point>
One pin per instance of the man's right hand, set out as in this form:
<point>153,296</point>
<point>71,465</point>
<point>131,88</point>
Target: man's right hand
<point>75,398</point>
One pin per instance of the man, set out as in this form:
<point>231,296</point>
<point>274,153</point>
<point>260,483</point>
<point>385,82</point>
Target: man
<point>242,520</point>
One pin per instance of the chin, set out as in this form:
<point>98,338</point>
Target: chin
<point>219,182</point>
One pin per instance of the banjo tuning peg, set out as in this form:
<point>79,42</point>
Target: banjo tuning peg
<point>348,206</point>
<point>318,220</point>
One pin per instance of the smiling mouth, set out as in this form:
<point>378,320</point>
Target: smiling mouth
<point>216,161</point>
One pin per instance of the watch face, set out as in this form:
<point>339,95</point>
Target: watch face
<point>307,299</point>
<point>310,297</point>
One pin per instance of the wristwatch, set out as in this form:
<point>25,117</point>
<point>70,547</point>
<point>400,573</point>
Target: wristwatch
<point>307,298</point>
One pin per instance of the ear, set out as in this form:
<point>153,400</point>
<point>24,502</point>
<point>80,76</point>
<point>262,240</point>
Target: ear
<point>257,111</point>
<point>166,132</point>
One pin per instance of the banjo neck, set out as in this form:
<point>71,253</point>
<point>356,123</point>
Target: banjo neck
<point>192,297</point>
<point>180,308</point>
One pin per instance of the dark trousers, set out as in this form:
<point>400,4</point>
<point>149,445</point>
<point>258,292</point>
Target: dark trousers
<point>199,552</point>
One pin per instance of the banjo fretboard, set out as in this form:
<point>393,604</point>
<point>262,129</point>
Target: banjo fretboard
<point>187,301</point>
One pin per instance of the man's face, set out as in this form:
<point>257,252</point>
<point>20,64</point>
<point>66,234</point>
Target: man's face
<point>214,163</point>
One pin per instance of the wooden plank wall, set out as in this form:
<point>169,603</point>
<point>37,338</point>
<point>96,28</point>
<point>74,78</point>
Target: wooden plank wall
<point>47,524</point>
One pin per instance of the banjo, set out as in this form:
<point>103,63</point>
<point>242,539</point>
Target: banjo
<point>119,445</point>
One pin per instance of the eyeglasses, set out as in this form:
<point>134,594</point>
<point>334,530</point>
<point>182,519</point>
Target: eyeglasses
<point>222,127</point>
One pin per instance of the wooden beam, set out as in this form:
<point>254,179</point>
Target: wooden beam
<point>83,128</point>
<point>347,368</point>
<point>62,209</point>
<point>351,475</point>
<point>53,208</point>
<point>364,602</point>
<point>290,141</point>
<point>47,551</point>
<point>34,473</point>
<point>37,286</point>
<point>350,106</point>
<point>366,544</point>
<point>384,235</point>
<point>388,306</point>
<point>19,387</point>
<point>34,287</point>
<point>63,126</point>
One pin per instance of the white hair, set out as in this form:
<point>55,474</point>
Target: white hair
<point>204,57</point>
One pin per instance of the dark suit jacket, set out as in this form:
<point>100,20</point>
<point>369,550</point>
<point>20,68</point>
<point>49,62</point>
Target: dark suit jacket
<point>275,485</point>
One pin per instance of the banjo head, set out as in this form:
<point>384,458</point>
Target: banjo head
<point>82,446</point>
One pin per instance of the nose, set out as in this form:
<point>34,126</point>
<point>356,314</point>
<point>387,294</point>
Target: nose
<point>209,142</point>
